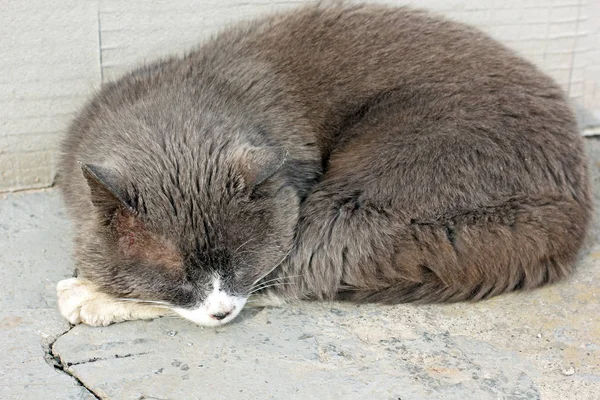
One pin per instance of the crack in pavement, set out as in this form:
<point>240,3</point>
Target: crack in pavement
<point>57,363</point>
<point>92,360</point>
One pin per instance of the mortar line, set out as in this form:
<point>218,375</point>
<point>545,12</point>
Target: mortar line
<point>100,47</point>
<point>580,5</point>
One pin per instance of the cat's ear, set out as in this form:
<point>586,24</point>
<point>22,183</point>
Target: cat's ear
<point>108,193</point>
<point>261,163</point>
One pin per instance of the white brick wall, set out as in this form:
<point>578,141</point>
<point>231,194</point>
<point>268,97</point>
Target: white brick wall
<point>54,53</point>
<point>48,65</point>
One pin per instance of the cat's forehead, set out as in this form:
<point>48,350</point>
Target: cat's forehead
<point>199,212</point>
<point>180,175</point>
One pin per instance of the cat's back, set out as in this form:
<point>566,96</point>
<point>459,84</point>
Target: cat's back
<point>371,45</point>
<point>334,58</point>
<point>315,66</point>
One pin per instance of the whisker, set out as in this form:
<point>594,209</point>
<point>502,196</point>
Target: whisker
<point>124,301</point>
<point>173,293</point>
<point>279,278</point>
<point>164,303</point>
<point>246,264</point>
<point>272,269</point>
<point>256,252</point>
<point>268,286</point>
<point>243,244</point>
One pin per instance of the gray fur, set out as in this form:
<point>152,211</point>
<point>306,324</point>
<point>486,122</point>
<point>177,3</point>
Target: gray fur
<point>384,153</point>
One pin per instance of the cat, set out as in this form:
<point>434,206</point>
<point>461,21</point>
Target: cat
<point>362,153</point>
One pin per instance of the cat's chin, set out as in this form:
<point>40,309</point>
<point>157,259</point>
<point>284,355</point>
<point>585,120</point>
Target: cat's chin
<point>202,316</point>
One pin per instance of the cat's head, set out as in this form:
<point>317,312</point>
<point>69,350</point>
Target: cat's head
<point>197,240</point>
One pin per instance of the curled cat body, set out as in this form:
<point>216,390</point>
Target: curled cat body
<point>359,153</point>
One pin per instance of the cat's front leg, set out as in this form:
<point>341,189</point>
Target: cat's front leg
<point>79,300</point>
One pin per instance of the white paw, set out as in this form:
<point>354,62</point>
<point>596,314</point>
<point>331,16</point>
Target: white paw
<point>72,293</point>
<point>100,313</point>
<point>80,301</point>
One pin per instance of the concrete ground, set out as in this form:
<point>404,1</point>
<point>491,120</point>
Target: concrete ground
<point>543,344</point>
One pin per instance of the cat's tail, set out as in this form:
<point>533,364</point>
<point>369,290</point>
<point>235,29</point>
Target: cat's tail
<point>521,243</point>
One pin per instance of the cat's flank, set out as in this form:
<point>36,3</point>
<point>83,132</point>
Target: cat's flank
<point>360,153</point>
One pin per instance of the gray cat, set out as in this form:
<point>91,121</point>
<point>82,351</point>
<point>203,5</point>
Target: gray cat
<point>359,153</point>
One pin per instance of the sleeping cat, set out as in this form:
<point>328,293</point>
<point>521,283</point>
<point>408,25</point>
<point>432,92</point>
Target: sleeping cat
<point>360,153</point>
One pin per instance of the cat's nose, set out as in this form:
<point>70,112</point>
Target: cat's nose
<point>220,315</point>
